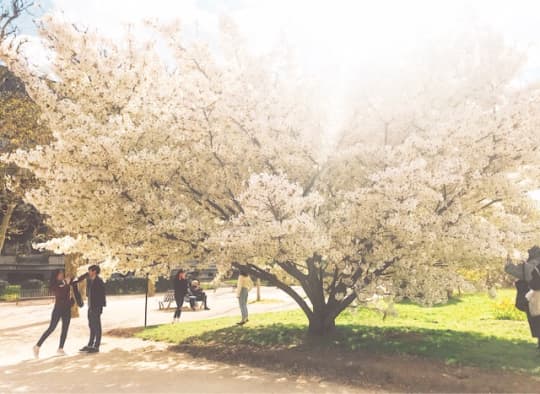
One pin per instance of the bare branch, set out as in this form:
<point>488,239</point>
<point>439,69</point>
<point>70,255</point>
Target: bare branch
<point>8,14</point>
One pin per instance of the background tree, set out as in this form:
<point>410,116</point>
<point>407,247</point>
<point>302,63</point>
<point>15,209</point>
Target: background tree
<point>20,128</point>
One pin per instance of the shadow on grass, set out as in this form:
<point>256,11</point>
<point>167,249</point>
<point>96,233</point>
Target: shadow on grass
<point>451,301</point>
<point>450,347</point>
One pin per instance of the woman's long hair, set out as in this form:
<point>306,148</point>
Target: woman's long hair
<point>176,275</point>
<point>54,275</point>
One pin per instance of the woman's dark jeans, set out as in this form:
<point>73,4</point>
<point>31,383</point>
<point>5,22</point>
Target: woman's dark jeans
<point>57,314</point>
<point>178,311</point>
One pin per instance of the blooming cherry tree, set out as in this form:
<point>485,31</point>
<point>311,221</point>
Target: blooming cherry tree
<point>163,155</point>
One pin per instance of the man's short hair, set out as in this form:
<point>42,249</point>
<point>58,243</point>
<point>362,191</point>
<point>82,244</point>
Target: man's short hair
<point>94,267</point>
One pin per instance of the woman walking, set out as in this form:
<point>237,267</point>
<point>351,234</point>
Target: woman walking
<point>180,291</point>
<point>60,286</point>
<point>243,287</point>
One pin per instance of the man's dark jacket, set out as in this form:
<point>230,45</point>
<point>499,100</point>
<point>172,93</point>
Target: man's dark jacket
<point>95,289</point>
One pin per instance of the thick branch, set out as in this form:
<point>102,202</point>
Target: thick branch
<point>264,275</point>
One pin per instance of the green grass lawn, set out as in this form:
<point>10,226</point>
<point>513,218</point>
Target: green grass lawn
<point>465,331</point>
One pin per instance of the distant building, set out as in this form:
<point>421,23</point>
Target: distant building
<point>206,273</point>
<point>16,269</point>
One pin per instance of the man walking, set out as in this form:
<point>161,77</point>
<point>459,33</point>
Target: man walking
<point>95,292</point>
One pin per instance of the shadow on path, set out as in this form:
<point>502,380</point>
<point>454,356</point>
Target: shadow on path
<point>144,370</point>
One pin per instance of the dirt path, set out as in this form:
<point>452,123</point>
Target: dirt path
<point>130,365</point>
<point>133,366</point>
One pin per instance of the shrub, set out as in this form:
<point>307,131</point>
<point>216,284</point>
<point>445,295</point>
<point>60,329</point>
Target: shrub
<point>128,285</point>
<point>11,293</point>
<point>32,284</point>
<point>3,285</point>
<point>505,309</point>
<point>163,284</point>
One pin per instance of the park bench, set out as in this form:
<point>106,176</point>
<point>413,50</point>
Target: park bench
<point>169,299</point>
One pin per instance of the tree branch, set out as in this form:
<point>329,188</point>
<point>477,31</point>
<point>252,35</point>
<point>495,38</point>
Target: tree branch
<point>264,275</point>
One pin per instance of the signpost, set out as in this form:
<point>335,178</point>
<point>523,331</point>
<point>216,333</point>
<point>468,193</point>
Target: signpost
<point>146,302</point>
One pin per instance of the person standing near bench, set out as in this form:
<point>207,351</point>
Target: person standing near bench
<point>180,291</point>
<point>95,292</point>
<point>60,287</point>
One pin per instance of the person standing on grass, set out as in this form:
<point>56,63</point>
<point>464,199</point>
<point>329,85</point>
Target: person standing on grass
<point>95,292</point>
<point>60,287</point>
<point>528,271</point>
<point>181,286</point>
<point>243,288</point>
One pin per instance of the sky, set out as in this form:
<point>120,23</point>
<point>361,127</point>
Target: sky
<point>334,41</point>
<point>329,37</point>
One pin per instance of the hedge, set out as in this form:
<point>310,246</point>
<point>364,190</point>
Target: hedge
<point>11,293</point>
<point>3,285</point>
<point>125,286</point>
<point>32,284</point>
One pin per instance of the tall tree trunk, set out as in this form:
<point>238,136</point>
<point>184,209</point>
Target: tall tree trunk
<point>273,280</point>
<point>322,323</point>
<point>71,263</point>
<point>4,226</point>
<point>258,289</point>
<point>323,312</point>
<point>151,287</point>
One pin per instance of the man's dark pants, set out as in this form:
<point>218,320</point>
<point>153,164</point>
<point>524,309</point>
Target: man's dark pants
<point>94,322</point>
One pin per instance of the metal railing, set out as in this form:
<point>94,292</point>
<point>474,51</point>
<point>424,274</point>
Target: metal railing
<point>35,293</point>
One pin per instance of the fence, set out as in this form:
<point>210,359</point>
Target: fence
<point>15,293</point>
<point>35,293</point>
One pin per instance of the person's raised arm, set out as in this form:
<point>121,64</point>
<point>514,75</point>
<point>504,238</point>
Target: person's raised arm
<point>516,270</point>
<point>81,278</point>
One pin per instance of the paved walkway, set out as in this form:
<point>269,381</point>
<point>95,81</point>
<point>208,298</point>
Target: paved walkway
<point>131,365</point>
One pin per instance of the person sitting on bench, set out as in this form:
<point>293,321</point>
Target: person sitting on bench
<point>198,294</point>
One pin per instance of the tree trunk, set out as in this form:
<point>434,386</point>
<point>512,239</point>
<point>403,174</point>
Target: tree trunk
<point>322,314</point>
<point>71,263</point>
<point>4,226</point>
<point>258,289</point>
<point>151,288</point>
<point>321,324</point>
<point>273,280</point>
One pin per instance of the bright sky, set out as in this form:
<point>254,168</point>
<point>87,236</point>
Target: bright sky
<point>334,40</point>
<point>332,36</point>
